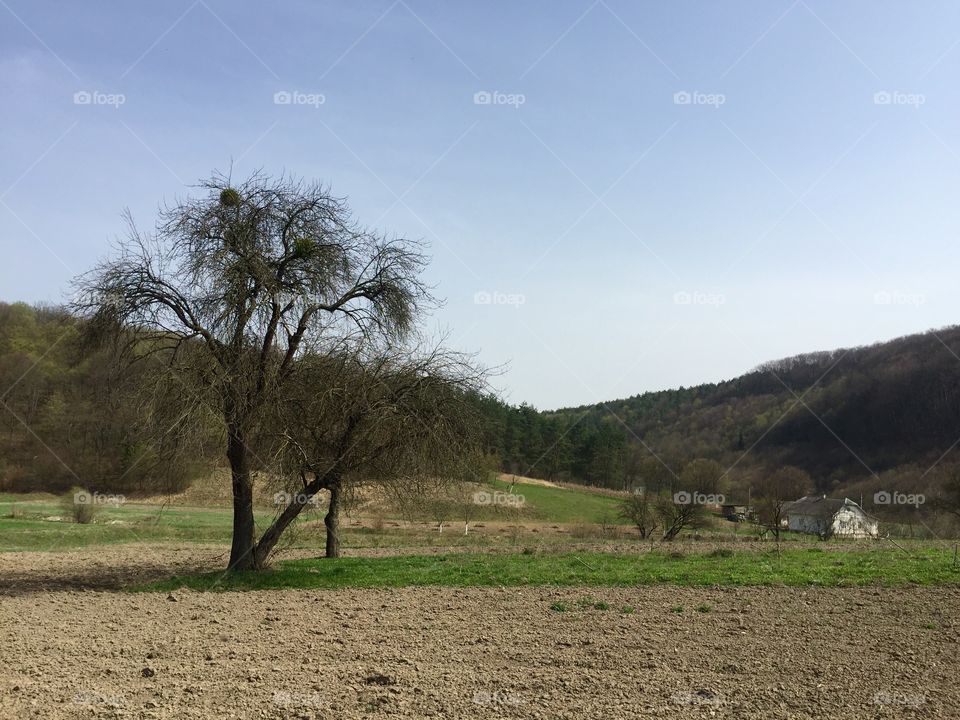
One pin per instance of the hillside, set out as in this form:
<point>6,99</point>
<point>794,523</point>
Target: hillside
<point>856,420</point>
<point>852,418</point>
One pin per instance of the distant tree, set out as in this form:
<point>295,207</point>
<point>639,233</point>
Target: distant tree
<point>677,516</point>
<point>772,493</point>
<point>948,497</point>
<point>701,475</point>
<point>642,509</point>
<point>656,475</point>
<point>236,285</point>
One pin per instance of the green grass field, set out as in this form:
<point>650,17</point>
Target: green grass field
<point>795,567</point>
<point>564,505</point>
<point>24,523</point>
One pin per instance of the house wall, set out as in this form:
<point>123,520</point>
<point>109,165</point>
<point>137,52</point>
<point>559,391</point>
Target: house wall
<point>851,523</point>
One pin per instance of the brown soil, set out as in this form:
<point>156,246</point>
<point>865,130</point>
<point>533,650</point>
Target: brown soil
<point>461,653</point>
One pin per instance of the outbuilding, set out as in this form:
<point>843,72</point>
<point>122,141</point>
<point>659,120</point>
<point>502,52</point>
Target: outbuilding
<point>829,517</point>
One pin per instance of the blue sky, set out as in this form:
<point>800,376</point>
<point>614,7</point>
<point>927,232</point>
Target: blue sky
<point>656,194</point>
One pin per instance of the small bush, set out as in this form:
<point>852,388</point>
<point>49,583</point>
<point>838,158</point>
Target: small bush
<point>627,610</point>
<point>78,505</point>
<point>601,605</point>
<point>677,609</point>
<point>704,608</point>
<point>559,606</point>
<point>586,531</point>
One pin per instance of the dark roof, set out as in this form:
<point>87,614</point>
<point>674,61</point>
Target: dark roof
<point>817,506</point>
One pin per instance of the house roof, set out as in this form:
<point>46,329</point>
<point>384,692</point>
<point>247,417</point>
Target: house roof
<point>818,506</point>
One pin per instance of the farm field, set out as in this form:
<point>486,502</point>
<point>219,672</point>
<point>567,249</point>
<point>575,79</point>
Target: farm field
<point>572,651</point>
<point>552,612</point>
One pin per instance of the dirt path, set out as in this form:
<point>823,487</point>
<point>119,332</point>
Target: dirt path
<point>477,653</point>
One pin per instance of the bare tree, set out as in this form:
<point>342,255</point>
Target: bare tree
<point>677,516</point>
<point>236,284</point>
<point>947,498</point>
<point>641,508</point>
<point>775,491</point>
<point>402,420</point>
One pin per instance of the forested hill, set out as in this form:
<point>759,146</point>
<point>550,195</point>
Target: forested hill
<point>844,416</point>
<point>868,417</point>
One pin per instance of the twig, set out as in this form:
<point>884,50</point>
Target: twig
<point>583,563</point>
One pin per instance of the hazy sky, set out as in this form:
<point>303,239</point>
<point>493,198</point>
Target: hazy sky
<point>620,196</point>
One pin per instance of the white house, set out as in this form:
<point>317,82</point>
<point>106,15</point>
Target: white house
<point>828,517</point>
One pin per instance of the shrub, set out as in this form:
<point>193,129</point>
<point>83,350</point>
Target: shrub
<point>78,505</point>
<point>586,531</point>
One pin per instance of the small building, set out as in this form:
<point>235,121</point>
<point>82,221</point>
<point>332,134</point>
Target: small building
<point>736,513</point>
<point>829,517</point>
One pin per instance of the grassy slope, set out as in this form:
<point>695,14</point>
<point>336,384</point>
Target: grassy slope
<point>794,568</point>
<point>563,505</point>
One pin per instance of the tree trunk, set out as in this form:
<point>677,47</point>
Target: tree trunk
<point>242,555</point>
<point>269,538</point>
<point>332,521</point>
